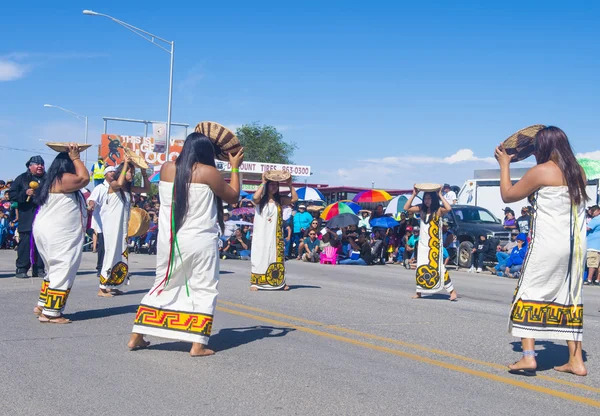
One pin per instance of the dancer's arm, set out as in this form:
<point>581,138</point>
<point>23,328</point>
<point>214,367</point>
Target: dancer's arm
<point>528,184</point>
<point>445,208</point>
<point>259,192</point>
<point>287,200</point>
<point>228,192</point>
<point>407,204</point>
<point>73,182</point>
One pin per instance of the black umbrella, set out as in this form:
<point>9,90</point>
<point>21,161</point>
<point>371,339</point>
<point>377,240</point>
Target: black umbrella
<point>343,220</point>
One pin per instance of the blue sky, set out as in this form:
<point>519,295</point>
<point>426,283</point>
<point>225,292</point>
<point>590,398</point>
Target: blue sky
<point>390,92</point>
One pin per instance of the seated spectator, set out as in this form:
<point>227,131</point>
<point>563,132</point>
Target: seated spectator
<point>503,253</point>
<point>237,247</point>
<point>365,219</point>
<point>360,253</point>
<point>328,238</point>
<point>484,247</point>
<point>152,233</point>
<point>517,256</point>
<point>378,246</point>
<point>411,249</point>
<point>311,247</point>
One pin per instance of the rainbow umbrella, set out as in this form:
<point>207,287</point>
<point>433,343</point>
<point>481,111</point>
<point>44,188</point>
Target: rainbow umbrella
<point>340,207</point>
<point>372,195</point>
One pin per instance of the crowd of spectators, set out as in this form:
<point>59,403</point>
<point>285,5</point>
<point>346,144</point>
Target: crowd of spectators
<point>9,217</point>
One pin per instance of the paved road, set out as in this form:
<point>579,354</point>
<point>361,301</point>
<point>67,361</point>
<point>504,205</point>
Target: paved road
<point>346,340</point>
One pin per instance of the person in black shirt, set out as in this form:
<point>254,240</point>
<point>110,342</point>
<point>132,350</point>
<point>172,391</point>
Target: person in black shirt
<point>22,193</point>
<point>236,245</point>
<point>484,249</point>
<point>363,247</point>
<point>524,221</point>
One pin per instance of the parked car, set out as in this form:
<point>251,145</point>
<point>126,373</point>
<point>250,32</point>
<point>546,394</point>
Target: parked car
<point>468,222</point>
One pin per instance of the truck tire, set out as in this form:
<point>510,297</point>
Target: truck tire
<point>464,254</point>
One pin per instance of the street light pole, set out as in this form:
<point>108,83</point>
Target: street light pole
<point>152,39</point>
<point>78,116</point>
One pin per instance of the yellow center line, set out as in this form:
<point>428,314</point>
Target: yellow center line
<point>405,344</point>
<point>477,373</point>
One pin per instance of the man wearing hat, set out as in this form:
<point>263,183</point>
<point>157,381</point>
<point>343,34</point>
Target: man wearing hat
<point>97,172</point>
<point>95,202</point>
<point>449,194</point>
<point>22,193</point>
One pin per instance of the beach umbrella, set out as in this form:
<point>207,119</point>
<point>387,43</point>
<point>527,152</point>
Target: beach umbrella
<point>243,211</point>
<point>384,222</point>
<point>372,195</point>
<point>396,205</point>
<point>244,194</point>
<point>343,220</point>
<point>309,194</point>
<point>340,207</point>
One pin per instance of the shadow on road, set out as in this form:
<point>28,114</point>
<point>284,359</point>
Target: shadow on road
<point>102,313</point>
<point>7,275</point>
<point>228,338</point>
<point>292,287</point>
<point>551,355</point>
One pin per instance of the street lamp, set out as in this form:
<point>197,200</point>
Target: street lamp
<point>152,39</point>
<point>79,116</point>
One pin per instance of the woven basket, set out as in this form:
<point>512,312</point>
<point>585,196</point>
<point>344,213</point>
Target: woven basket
<point>64,146</point>
<point>277,175</point>
<point>314,208</point>
<point>136,159</point>
<point>139,222</point>
<point>428,187</point>
<point>521,145</point>
<point>225,140</point>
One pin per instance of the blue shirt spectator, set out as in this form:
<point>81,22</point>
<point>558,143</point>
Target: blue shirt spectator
<point>302,219</point>
<point>593,236</point>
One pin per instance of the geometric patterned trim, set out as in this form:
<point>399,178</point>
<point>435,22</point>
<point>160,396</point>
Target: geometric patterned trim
<point>44,292</point>
<point>117,275</point>
<point>56,299</point>
<point>538,314</point>
<point>196,323</point>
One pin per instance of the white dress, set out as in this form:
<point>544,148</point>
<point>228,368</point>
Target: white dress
<point>98,195</point>
<point>115,220</point>
<point>431,273</point>
<point>267,256</point>
<point>182,301</point>
<point>548,302</point>
<point>59,229</point>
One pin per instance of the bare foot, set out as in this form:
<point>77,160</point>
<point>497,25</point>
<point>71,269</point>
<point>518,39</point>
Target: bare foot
<point>53,319</point>
<point>38,310</point>
<point>577,369</point>
<point>416,296</point>
<point>103,293</point>
<point>453,296</point>
<point>137,342</point>
<point>524,364</point>
<point>253,289</point>
<point>200,350</point>
<point>286,287</point>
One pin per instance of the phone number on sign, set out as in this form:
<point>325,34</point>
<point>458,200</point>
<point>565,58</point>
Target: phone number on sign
<point>296,170</point>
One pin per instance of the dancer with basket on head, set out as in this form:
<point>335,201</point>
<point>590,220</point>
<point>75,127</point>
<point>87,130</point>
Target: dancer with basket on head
<point>432,275</point>
<point>59,229</point>
<point>268,255</point>
<point>115,221</point>
<point>182,301</point>
<point>548,301</point>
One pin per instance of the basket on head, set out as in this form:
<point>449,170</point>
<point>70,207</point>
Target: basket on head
<point>64,146</point>
<point>277,175</point>
<point>224,140</point>
<point>136,159</point>
<point>521,145</point>
<point>314,208</point>
<point>139,222</point>
<point>428,187</point>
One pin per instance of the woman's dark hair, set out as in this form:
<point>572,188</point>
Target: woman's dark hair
<point>62,164</point>
<point>197,148</point>
<point>127,186</point>
<point>264,199</point>
<point>433,208</point>
<point>551,143</point>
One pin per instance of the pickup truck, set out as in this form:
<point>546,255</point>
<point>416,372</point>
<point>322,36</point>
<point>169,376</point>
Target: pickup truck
<point>468,222</point>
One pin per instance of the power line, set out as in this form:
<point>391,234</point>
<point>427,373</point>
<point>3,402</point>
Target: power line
<point>27,150</point>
